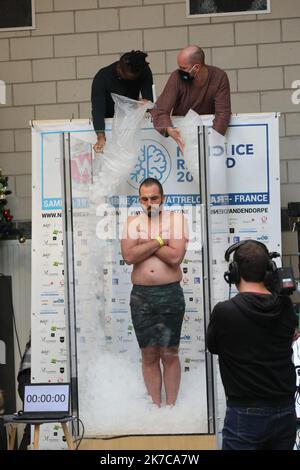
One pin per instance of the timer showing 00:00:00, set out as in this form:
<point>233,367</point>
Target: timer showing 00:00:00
<point>46,398</point>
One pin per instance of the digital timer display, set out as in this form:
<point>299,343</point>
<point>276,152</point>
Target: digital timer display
<point>46,397</point>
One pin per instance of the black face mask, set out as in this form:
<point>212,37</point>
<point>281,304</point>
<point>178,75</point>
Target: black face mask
<point>184,75</point>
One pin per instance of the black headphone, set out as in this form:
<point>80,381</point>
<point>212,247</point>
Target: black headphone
<point>233,276</point>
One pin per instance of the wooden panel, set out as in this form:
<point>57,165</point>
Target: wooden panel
<point>178,442</point>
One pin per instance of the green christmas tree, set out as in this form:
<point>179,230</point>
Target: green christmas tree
<point>7,229</point>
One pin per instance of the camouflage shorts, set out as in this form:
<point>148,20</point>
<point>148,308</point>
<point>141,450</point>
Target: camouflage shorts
<point>157,314</point>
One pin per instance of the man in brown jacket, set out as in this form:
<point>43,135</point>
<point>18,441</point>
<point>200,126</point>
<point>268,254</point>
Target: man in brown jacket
<point>194,85</point>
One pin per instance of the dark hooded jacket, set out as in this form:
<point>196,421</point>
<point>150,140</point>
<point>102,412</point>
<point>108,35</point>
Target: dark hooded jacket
<point>252,334</point>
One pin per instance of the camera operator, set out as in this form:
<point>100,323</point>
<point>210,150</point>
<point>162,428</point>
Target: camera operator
<point>252,333</point>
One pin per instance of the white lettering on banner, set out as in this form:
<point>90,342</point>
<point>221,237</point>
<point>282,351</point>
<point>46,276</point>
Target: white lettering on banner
<point>54,203</point>
<point>240,199</point>
<point>81,167</point>
<point>251,198</point>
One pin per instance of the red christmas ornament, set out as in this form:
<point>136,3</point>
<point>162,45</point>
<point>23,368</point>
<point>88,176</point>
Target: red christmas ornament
<point>5,212</point>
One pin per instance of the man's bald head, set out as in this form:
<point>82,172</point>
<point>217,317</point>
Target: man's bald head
<point>192,55</point>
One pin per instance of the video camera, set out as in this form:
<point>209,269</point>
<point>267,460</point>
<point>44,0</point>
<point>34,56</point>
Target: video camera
<point>281,280</point>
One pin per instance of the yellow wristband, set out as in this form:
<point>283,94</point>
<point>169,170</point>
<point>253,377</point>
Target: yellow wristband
<point>160,241</point>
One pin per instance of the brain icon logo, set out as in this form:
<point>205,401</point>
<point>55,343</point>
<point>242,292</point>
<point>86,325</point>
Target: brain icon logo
<point>154,161</point>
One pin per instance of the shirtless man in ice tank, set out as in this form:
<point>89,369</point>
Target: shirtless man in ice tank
<point>155,243</point>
